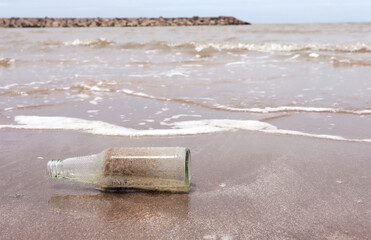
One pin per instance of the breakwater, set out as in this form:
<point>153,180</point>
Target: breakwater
<point>116,22</point>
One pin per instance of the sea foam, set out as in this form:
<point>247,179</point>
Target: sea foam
<point>5,62</point>
<point>88,42</point>
<point>195,127</point>
<point>271,47</point>
<point>8,86</point>
<point>294,109</point>
<point>252,110</point>
<point>264,46</point>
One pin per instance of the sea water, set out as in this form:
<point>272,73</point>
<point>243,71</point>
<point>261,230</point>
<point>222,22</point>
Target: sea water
<point>310,80</point>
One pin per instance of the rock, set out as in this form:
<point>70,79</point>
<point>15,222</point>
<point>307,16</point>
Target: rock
<point>25,23</point>
<point>117,22</point>
<point>56,24</point>
<point>93,24</point>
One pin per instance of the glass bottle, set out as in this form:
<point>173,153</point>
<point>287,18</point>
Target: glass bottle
<point>154,168</point>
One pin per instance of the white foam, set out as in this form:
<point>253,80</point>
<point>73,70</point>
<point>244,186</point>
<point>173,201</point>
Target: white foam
<point>206,98</point>
<point>293,109</point>
<point>103,128</point>
<point>176,128</point>
<point>88,42</point>
<point>174,73</point>
<point>9,86</point>
<point>344,61</point>
<point>144,95</point>
<point>295,56</point>
<point>171,73</point>
<point>151,51</point>
<point>92,111</point>
<point>6,61</point>
<point>314,55</point>
<point>95,100</point>
<point>192,65</point>
<point>259,110</point>
<point>179,116</point>
<point>235,63</point>
<point>323,136</point>
<point>317,99</point>
<point>83,96</point>
<point>275,47</point>
<point>95,88</point>
<point>37,83</point>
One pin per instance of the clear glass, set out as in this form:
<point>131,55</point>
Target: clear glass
<point>160,169</point>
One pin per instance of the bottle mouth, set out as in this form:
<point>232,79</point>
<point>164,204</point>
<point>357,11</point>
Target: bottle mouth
<point>54,168</point>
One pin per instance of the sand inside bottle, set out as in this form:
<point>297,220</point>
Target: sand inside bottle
<point>143,168</point>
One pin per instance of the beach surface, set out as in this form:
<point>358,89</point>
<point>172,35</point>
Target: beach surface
<point>277,118</point>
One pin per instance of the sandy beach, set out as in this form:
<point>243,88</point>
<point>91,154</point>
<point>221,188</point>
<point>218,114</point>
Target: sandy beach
<point>287,188</point>
<point>277,118</point>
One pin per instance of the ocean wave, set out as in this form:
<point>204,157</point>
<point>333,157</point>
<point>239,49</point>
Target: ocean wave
<point>95,86</point>
<point>8,86</point>
<point>199,47</point>
<point>294,109</point>
<point>6,62</point>
<point>346,62</point>
<point>277,47</point>
<point>111,87</point>
<point>15,89</point>
<point>194,127</point>
<point>51,43</point>
<point>101,42</point>
<point>259,47</point>
<point>279,109</point>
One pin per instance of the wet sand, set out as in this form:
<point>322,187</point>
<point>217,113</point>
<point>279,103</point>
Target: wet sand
<point>245,185</point>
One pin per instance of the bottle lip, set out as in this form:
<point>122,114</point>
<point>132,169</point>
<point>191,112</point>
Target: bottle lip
<point>52,168</point>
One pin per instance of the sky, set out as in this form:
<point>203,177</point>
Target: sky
<point>254,11</point>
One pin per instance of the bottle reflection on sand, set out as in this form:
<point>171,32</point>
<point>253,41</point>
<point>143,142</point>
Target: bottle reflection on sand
<point>138,207</point>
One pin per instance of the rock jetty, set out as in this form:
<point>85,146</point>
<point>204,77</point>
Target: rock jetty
<point>116,22</point>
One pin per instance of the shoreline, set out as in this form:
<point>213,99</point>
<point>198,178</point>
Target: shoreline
<point>19,22</point>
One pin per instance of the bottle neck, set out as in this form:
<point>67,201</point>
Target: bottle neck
<point>55,168</point>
